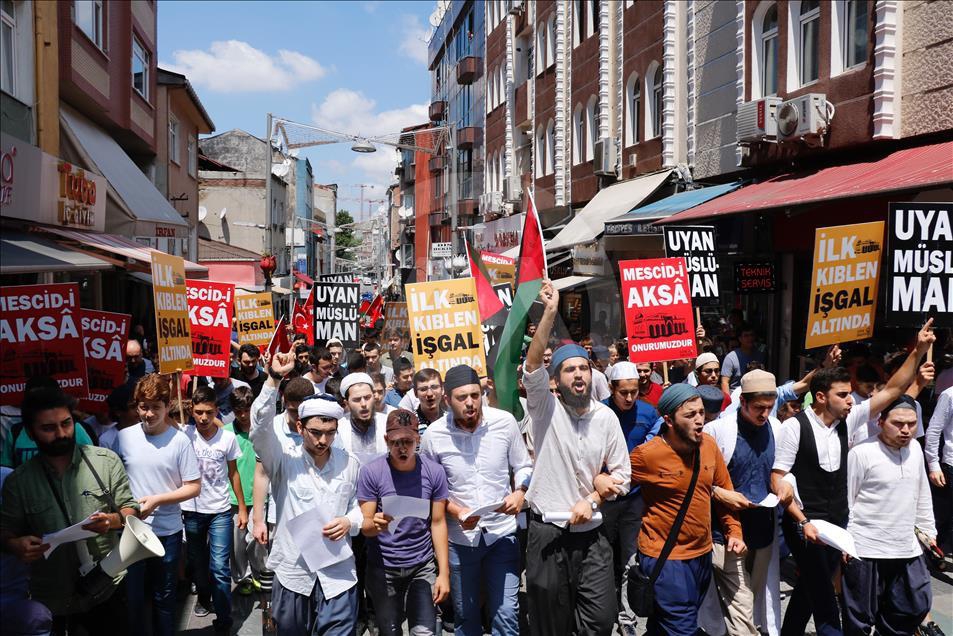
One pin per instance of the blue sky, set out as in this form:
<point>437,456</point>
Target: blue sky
<point>357,67</point>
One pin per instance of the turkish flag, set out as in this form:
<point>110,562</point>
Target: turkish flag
<point>279,340</point>
<point>302,318</point>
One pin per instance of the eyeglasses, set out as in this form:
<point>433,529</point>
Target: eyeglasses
<point>431,388</point>
<point>316,434</point>
<point>402,443</point>
<point>713,370</point>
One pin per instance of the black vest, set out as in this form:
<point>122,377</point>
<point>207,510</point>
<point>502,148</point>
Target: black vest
<point>823,494</point>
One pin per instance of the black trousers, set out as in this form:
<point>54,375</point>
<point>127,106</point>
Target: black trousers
<point>891,595</point>
<point>814,591</point>
<point>569,582</point>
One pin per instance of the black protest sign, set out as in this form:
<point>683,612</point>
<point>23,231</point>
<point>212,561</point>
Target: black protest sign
<point>920,264</point>
<point>341,277</point>
<point>754,277</point>
<point>336,312</point>
<point>697,244</point>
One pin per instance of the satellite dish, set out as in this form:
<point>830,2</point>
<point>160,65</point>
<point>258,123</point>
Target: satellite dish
<point>787,118</point>
<point>203,212</point>
<point>221,214</point>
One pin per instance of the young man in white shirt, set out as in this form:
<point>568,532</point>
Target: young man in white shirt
<point>361,430</point>
<point>479,447</point>
<point>813,447</point>
<point>208,517</point>
<point>574,438</point>
<point>163,472</point>
<point>888,588</point>
<point>314,476</point>
<point>941,468</point>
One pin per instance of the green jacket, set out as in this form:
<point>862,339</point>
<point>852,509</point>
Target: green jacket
<point>31,508</point>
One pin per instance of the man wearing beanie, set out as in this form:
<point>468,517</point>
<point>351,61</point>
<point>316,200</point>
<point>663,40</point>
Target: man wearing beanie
<point>408,569</point>
<point>479,447</point>
<point>361,430</point>
<point>570,584</point>
<point>623,515</point>
<point>888,588</point>
<point>813,447</point>
<point>663,468</point>
<point>318,480</point>
<point>746,439</point>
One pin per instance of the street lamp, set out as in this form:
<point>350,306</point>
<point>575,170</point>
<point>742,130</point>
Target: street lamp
<point>363,145</point>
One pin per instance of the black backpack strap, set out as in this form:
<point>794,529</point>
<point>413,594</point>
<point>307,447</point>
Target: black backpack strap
<point>679,518</point>
<point>106,492</point>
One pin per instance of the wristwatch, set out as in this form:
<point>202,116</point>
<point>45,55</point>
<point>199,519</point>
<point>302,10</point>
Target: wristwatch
<point>803,522</point>
<point>593,505</point>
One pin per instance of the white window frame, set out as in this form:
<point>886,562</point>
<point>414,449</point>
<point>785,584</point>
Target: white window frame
<point>192,156</point>
<point>842,39</point>
<point>10,22</point>
<point>633,91</point>
<point>98,37</point>
<point>759,39</point>
<point>580,9</point>
<point>145,57</point>
<point>541,48</point>
<point>551,147</point>
<point>174,140</point>
<point>592,127</point>
<point>578,135</point>
<point>540,167</point>
<point>796,23</point>
<point>551,39</point>
<point>654,102</point>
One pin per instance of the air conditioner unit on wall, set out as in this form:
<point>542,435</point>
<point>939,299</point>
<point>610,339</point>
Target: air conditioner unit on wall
<point>491,203</point>
<point>512,189</point>
<point>805,116</point>
<point>757,120</point>
<point>604,157</point>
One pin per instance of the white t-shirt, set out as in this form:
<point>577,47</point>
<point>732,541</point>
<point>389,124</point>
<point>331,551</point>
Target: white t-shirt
<point>158,464</point>
<point>213,455</point>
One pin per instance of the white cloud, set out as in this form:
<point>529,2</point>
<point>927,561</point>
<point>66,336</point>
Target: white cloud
<point>350,112</point>
<point>233,66</point>
<point>413,42</point>
<point>371,6</point>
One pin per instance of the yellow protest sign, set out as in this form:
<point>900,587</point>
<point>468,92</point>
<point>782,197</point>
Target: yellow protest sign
<point>844,283</point>
<point>173,330</point>
<point>255,315</point>
<point>445,325</point>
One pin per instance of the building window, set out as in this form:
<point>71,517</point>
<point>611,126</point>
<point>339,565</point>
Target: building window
<point>551,147</point>
<point>193,157</point>
<point>540,153</point>
<point>551,29</point>
<point>140,68</point>
<point>593,16</point>
<point>768,65</point>
<point>592,126</point>
<point>8,31</point>
<point>578,135</point>
<point>809,24</point>
<point>173,139</point>
<point>633,101</point>
<point>580,28</point>
<point>88,16</point>
<point>654,93</point>
<point>855,33</point>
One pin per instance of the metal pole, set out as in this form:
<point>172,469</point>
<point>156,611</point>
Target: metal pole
<point>271,238</point>
<point>452,191</point>
<point>332,224</point>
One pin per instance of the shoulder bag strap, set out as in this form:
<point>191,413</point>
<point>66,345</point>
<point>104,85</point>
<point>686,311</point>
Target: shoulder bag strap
<point>106,492</point>
<point>679,518</point>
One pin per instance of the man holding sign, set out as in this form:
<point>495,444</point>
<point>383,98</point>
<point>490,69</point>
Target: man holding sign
<point>813,446</point>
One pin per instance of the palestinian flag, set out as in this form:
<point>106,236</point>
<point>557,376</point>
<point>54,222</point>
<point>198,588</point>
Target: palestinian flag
<point>530,272</point>
<point>491,307</point>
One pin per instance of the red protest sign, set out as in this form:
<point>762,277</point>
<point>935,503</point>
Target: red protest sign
<point>41,334</point>
<point>104,336</point>
<point>210,315</point>
<point>658,309</point>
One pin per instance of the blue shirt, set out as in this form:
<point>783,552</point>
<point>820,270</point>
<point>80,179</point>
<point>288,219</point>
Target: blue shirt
<point>392,398</point>
<point>639,424</point>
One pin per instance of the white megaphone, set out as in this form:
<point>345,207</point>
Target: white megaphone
<point>137,542</point>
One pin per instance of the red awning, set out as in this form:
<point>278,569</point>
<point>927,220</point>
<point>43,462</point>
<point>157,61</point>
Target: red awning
<point>304,278</point>
<point>119,246</point>
<point>918,167</point>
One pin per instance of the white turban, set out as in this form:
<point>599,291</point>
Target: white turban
<point>321,405</point>
<point>354,378</point>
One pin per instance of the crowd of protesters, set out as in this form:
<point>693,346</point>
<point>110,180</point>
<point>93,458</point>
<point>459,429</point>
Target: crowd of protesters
<point>615,497</point>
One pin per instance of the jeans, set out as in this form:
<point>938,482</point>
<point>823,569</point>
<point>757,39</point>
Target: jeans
<point>248,556</point>
<point>496,570</point>
<point>299,615</point>
<point>679,592</point>
<point>156,576</point>
<point>209,543</point>
<point>397,592</point>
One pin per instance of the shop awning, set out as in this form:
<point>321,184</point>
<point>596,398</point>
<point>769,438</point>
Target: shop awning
<point>608,203</point>
<point>137,195</point>
<point>569,282</point>
<point>304,278</point>
<point>22,253</point>
<point>677,203</point>
<point>919,167</point>
<point>119,246</point>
